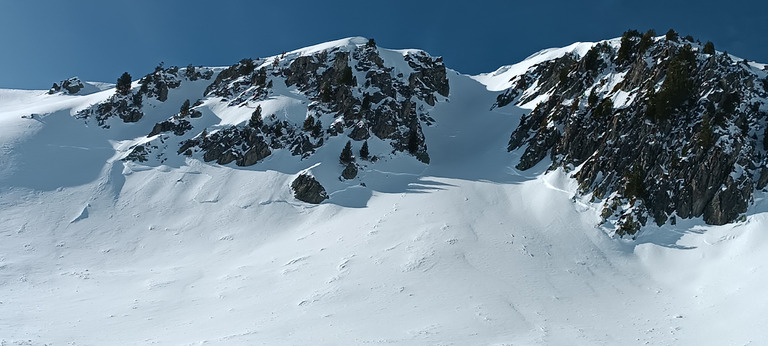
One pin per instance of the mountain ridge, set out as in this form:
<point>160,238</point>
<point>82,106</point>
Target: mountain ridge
<point>399,114</point>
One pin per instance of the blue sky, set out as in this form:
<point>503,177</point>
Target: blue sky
<point>45,41</point>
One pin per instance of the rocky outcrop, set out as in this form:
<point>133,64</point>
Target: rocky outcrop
<point>307,189</point>
<point>177,126</point>
<point>129,107</point>
<point>354,84</point>
<point>125,107</point>
<point>676,136</point>
<point>70,86</point>
<point>241,83</point>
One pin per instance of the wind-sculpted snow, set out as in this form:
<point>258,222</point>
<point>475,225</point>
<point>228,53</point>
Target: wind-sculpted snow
<point>111,236</point>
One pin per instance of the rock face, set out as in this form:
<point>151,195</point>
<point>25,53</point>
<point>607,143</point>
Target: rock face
<point>307,189</point>
<point>70,86</point>
<point>657,128</point>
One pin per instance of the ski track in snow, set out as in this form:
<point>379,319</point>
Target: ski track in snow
<point>464,251</point>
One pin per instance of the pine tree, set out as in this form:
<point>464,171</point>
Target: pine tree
<point>309,123</point>
<point>124,84</point>
<point>592,98</point>
<point>624,49</point>
<point>144,82</point>
<point>709,48</point>
<point>672,35</point>
<point>256,120</point>
<point>184,111</point>
<point>591,59</point>
<point>346,154</point>
<point>413,142</point>
<point>677,87</point>
<point>634,187</point>
<point>646,41</point>
<point>627,45</point>
<point>346,77</point>
<point>317,130</point>
<point>364,154</point>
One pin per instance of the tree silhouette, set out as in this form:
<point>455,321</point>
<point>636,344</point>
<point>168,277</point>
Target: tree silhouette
<point>124,84</point>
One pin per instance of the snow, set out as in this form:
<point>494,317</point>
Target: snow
<point>345,42</point>
<point>500,79</point>
<point>464,251</point>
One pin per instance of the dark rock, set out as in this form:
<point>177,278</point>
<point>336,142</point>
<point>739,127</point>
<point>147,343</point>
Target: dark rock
<point>178,126</point>
<point>70,86</point>
<point>307,189</point>
<point>359,132</point>
<point>430,75</point>
<point>301,71</point>
<point>537,148</point>
<point>350,171</point>
<point>728,203</point>
<point>258,152</point>
<point>227,157</point>
<point>763,181</point>
<point>137,154</point>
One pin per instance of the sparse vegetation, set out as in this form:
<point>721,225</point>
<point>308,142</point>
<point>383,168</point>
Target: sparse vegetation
<point>677,87</point>
<point>346,154</point>
<point>413,142</point>
<point>256,121</point>
<point>184,110</point>
<point>627,46</point>
<point>592,98</point>
<point>709,48</point>
<point>309,123</point>
<point>646,41</point>
<point>364,154</point>
<point>634,187</point>
<point>124,84</point>
<point>591,62</point>
<point>672,35</point>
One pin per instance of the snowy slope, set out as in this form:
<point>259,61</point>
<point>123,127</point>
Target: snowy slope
<point>464,251</point>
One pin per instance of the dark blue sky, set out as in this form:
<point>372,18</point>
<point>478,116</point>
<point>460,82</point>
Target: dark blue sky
<point>45,41</point>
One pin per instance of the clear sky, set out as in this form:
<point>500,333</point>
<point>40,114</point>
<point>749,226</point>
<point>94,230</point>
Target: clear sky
<point>43,41</point>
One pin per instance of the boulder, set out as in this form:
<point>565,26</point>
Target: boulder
<point>349,172</point>
<point>307,189</point>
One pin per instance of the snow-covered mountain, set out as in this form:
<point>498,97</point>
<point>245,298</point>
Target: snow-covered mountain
<point>219,204</point>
